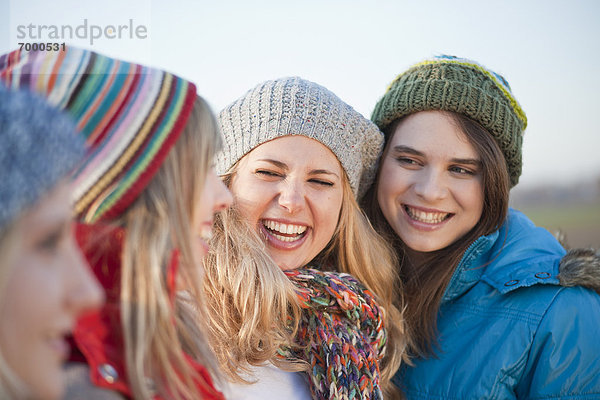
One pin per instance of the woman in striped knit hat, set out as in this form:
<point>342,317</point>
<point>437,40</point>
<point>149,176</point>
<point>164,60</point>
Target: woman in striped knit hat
<point>312,292</point>
<point>146,194</point>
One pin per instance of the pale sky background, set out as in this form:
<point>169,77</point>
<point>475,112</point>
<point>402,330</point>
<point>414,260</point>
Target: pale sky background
<point>548,50</point>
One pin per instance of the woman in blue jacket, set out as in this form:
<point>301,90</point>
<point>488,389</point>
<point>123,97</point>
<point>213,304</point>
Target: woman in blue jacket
<point>490,314</point>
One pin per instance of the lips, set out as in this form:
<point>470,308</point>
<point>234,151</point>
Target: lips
<point>285,234</point>
<point>204,236</point>
<point>60,345</point>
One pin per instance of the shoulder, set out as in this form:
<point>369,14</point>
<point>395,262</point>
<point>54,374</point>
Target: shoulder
<point>573,305</point>
<point>564,353</point>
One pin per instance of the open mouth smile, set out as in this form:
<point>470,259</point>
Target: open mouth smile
<point>426,217</point>
<point>283,235</point>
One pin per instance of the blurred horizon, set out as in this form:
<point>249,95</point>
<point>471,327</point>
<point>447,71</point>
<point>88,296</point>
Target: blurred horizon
<point>547,50</point>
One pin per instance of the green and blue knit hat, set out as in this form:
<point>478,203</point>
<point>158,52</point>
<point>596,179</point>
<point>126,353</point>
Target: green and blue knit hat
<point>463,86</point>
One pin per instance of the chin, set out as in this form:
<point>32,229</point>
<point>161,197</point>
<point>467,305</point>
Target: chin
<point>424,246</point>
<point>287,267</point>
<point>52,391</point>
<point>49,384</point>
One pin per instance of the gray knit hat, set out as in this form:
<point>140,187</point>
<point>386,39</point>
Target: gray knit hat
<point>462,86</point>
<point>38,147</point>
<point>294,106</point>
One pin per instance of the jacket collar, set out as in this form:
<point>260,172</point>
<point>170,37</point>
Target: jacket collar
<point>519,254</point>
<point>467,274</point>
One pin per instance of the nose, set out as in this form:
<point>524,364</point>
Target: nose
<point>291,196</point>
<point>223,197</point>
<point>84,293</point>
<point>431,185</point>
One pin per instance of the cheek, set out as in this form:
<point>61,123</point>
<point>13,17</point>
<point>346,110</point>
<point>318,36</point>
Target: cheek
<point>386,195</point>
<point>471,198</point>
<point>329,208</point>
<point>24,297</point>
<point>478,202</point>
<point>251,198</point>
<point>390,181</point>
<point>30,303</point>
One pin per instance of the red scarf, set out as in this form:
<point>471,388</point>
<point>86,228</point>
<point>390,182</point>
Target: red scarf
<point>98,336</point>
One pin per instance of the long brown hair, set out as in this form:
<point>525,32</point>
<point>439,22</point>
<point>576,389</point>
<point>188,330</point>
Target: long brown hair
<point>426,282</point>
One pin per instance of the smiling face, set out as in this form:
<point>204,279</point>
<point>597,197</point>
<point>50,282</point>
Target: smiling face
<point>48,285</point>
<point>430,184</point>
<point>215,197</point>
<point>290,188</point>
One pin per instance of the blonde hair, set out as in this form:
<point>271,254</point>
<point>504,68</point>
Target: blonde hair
<point>159,332</point>
<point>11,386</point>
<point>357,249</point>
<point>253,307</point>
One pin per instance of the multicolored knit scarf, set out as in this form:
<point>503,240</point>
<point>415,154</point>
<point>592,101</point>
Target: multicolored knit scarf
<point>341,334</point>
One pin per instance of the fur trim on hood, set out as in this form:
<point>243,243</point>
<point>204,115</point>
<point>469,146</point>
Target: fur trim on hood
<point>580,267</point>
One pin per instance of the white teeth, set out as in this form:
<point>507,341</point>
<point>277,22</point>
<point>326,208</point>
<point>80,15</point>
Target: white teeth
<point>206,235</point>
<point>285,238</point>
<point>427,217</point>
<point>287,229</point>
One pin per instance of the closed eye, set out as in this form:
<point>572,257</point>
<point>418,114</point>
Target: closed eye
<point>321,182</point>
<point>268,173</point>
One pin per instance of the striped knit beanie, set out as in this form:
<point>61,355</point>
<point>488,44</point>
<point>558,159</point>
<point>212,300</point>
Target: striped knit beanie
<point>294,106</point>
<point>462,86</point>
<point>38,148</point>
<point>130,116</point>
<point>341,335</point>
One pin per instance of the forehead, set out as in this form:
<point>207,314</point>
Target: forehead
<point>432,132</point>
<point>296,150</point>
<point>54,208</point>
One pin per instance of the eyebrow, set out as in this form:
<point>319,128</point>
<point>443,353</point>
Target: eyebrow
<point>278,164</point>
<point>410,150</point>
<point>406,149</point>
<point>285,167</point>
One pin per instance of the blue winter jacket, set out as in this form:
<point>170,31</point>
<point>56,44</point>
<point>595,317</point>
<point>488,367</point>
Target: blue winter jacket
<point>507,329</point>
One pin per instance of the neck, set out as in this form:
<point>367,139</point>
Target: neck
<point>417,259</point>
